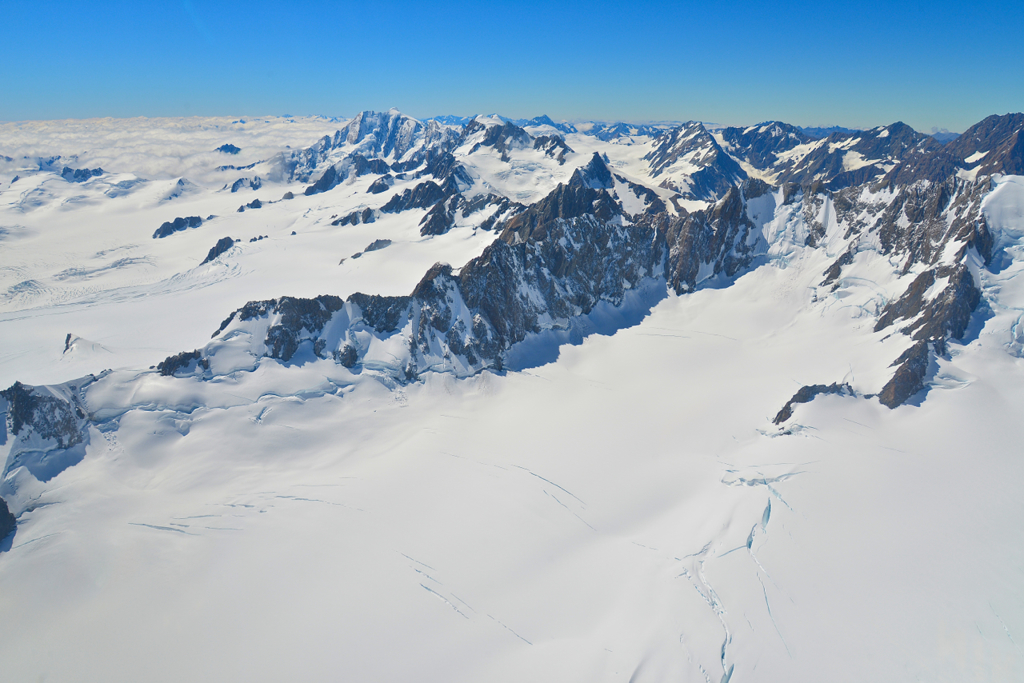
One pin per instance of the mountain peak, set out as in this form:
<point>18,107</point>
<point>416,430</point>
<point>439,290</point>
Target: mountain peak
<point>595,175</point>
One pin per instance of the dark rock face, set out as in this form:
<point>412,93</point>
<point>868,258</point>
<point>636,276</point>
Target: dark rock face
<point>375,245</point>
<point>223,244</point>
<point>554,146</point>
<point>347,356</point>
<point>328,180</point>
<point>445,200</point>
<point>442,165</point>
<point>296,315</point>
<point>569,276</point>
<point>382,184</point>
<point>595,175</point>
<point>228,148</point>
<point>184,361</point>
<point>47,415</point>
<point>8,522</point>
<point>254,204</point>
<point>835,270</point>
<point>367,215</point>
<point>383,313</point>
<point>354,165</point>
<point>49,425</point>
<point>910,375</point>
<point>442,216</point>
<point>938,213</point>
<point>806,394</point>
<point>585,194</point>
<point>719,240</point>
<point>1001,137</point>
<point>423,196</point>
<point>177,225</point>
<point>897,142</point>
<point>944,316</point>
<point>80,175</point>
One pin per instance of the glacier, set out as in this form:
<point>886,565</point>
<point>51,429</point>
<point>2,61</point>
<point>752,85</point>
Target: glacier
<point>540,434</point>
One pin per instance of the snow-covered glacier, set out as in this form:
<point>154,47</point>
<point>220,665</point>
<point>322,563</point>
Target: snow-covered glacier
<point>483,399</point>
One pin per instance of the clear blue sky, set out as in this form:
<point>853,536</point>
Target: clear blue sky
<point>941,64</point>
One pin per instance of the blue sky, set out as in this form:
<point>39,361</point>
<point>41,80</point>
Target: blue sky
<point>929,64</point>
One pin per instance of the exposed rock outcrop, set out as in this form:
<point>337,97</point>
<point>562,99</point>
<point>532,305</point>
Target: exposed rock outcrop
<point>253,184</point>
<point>80,175</point>
<point>184,362</point>
<point>722,239</point>
<point>223,244</point>
<point>8,522</point>
<point>938,304</point>
<point>48,426</point>
<point>177,225</point>
<point>554,146</point>
<point>911,372</point>
<point>806,394</point>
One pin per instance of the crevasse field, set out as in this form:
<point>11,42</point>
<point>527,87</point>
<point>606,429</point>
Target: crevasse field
<point>619,508</point>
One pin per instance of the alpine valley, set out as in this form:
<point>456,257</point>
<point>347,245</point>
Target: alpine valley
<point>481,399</point>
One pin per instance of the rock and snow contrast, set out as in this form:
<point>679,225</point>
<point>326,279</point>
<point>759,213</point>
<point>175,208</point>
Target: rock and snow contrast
<point>470,399</point>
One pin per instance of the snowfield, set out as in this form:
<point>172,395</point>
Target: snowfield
<point>620,508</point>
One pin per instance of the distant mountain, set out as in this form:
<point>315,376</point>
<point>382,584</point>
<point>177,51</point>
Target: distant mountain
<point>944,135</point>
<point>825,131</point>
<point>762,145</point>
<point>690,161</point>
<point>450,120</point>
<point>390,136</point>
<point>994,145</point>
<point>845,159</point>
<point>545,121</point>
<point>614,131</point>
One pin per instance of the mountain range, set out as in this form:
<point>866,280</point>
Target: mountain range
<point>704,332</point>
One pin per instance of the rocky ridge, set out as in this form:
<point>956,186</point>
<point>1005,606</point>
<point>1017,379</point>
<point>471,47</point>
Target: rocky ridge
<point>565,254</point>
